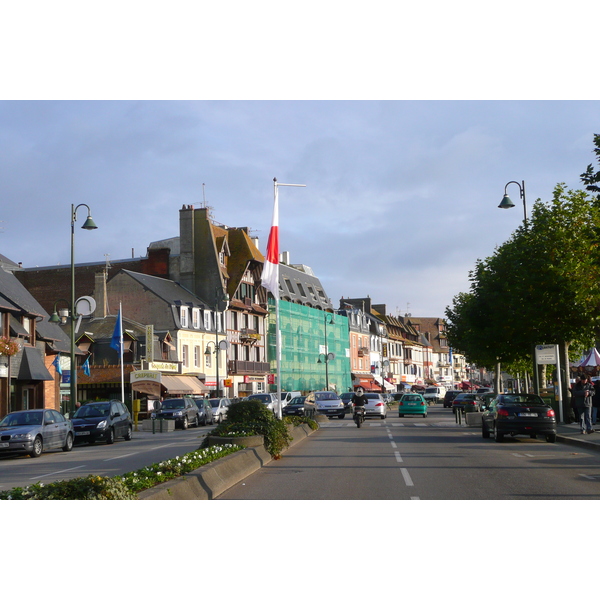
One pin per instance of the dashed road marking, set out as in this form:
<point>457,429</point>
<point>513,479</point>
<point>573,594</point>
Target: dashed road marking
<point>407,480</point>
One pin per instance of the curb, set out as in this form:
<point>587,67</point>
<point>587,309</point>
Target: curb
<point>209,481</point>
<point>577,442</point>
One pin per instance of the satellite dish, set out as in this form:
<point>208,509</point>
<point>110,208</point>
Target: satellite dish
<point>85,306</point>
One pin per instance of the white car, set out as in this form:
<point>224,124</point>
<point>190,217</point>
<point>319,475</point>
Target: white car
<point>375,405</point>
<point>219,408</point>
<point>434,394</point>
<point>326,403</point>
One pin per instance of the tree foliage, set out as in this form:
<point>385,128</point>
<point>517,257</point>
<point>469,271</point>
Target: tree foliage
<point>591,178</point>
<point>540,287</point>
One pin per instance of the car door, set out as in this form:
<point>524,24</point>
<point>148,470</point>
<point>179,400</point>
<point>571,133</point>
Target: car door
<point>115,420</point>
<point>62,428</point>
<point>50,430</point>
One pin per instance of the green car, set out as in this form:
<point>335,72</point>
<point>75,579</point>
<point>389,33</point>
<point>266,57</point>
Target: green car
<point>411,404</point>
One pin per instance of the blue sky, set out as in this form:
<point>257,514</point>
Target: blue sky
<point>400,200</point>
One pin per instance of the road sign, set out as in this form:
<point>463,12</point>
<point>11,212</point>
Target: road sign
<point>546,355</point>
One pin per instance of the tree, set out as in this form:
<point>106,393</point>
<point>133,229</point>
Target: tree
<point>591,178</point>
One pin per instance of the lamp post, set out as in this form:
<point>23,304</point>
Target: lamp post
<point>221,297</point>
<point>508,203</point>
<point>89,224</point>
<point>327,356</point>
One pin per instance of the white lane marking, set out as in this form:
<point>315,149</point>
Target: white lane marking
<point>393,444</point>
<point>398,457</point>
<point>57,472</point>
<point>415,498</point>
<point>407,479</point>
<point>592,477</point>
<point>122,456</point>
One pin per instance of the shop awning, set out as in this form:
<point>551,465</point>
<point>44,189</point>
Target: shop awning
<point>366,384</point>
<point>179,385</point>
<point>32,366</point>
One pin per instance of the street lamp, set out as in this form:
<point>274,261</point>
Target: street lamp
<point>327,356</point>
<point>89,224</point>
<point>221,297</point>
<point>508,203</point>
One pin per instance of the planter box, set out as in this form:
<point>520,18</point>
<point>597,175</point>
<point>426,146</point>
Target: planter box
<point>249,441</point>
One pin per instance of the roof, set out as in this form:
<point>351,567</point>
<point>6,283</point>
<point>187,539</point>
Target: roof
<point>14,297</point>
<point>299,282</point>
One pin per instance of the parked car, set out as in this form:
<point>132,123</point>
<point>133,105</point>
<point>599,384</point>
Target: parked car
<point>219,409</point>
<point>181,410</point>
<point>486,399</point>
<point>205,413</point>
<point>467,402</point>
<point>484,390</point>
<point>294,407</point>
<point>412,404</point>
<point>434,394</point>
<point>34,431</point>
<point>375,405</point>
<point>103,420</point>
<point>346,398</point>
<point>515,414</point>
<point>269,400</point>
<point>326,403</point>
<point>449,397</point>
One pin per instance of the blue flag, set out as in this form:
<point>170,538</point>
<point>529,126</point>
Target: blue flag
<point>56,364</point>
<point>117,337</point>
<point>86,366</point>
<point>450,355</point>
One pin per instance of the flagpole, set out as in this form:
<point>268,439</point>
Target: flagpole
<point>121,353</point>
<point>277,330</point>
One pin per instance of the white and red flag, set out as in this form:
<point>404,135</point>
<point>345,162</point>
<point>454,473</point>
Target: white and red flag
<point>270,274</point>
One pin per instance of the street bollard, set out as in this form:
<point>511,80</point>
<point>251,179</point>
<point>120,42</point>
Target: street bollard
<point>458,415</point>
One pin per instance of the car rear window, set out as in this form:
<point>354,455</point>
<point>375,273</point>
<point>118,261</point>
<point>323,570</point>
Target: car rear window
<point>173,403</point>
<point>521,399</point>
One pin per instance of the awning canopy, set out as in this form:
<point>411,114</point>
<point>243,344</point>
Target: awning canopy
<point>32,366</point>
<point>366,383</point>
<point>158,384</point>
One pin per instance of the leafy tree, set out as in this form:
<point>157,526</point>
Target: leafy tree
<point>591,178</point>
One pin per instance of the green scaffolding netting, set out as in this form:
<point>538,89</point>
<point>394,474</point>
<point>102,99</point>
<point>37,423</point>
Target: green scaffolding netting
<point>303,331</point>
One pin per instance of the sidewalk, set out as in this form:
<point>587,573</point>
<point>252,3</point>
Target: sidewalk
<point>571,434</point>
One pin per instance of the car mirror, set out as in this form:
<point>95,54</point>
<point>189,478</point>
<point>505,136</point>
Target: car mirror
<point>48,421</point>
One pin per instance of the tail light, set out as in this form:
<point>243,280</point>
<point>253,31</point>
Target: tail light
<point>422,403</point>
<point>502,412</point>
<point>550,413</point>
<point>379,404</point>
<point>401,403</point>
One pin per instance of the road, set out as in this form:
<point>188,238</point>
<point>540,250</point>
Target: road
<point>412,458</point>
<point>144,449</point>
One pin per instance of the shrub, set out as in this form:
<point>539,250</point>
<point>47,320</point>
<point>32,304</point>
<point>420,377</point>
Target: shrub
<point>296,420</point>
<point>253,416</point>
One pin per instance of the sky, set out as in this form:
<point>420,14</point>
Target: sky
<point>400,200</point>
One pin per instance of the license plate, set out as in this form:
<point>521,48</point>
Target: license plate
<point>82,433</point>
<point>411,404</point>
<point>3,444</point>
<point>528,414</point>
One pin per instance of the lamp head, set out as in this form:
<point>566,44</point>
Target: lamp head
<point>89,223</point>
<point>506,202</point>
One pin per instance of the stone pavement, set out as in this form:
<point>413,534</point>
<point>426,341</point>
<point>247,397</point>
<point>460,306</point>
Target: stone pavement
<point>571,434</point>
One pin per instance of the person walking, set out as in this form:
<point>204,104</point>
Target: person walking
<point>583,393</point>
<point>596,401</point>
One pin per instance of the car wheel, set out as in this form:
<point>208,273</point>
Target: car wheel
<point>38,447</point>
<point>110,438</point>
<point>197,421</point>
<point>129,433</point>
<point>68,443</point>
<point>497,435</point>
<point>400,415</point>
<point>184,425</point>
<point>533,436</point>
<point>341,416</point>
<point>383,416</point>
<point>424,415</point>
<point>485,433</point>
<point>551,438</point>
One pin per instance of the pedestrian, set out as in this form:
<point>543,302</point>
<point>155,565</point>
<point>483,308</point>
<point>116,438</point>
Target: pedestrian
<point>583,392</point>
<point>574,415</point>
<point>596,401</point>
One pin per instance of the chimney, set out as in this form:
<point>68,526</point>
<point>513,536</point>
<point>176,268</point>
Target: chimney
<point>285,258</point>
<point>100,294</point>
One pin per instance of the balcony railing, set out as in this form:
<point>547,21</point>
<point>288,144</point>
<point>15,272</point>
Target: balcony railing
<point>247,367</point>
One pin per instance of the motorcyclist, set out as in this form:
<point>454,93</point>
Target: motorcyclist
<point>359,398</point>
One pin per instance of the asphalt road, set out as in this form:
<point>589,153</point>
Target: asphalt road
<point>422,459</point>
<point>144,449</point>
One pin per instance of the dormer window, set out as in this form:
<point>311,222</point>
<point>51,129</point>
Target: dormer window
<point>184,316</point>
<point>196,318</point>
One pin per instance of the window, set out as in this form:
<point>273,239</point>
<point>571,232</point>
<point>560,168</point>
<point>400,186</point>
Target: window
<point>208,359</point>
<point>196,318</point>
<point>185,355</point>
<point>184,316</point>
<point>197,356</point>
<point>290,286</point>
<point>301,289</point>
<point>207,320</point>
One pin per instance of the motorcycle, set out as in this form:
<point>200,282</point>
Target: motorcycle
<point>359,415</point>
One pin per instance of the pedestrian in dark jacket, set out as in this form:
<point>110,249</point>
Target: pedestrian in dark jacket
<point>596,401</point>
<point>583,393</point>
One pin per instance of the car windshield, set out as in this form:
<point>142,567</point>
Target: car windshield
<point>431,390</point>
<point>174,403</point>
<point>521,399</point>
<point>215,402</point>
<point>326,396</point>
<point>22,418</point>
<point>92,410</point>
<point>297,400</point>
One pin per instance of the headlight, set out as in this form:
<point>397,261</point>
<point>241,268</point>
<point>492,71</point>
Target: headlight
<point>22,436</point>
<point>178,413</point>
<point>102,424</point>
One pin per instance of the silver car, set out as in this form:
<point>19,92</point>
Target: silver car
<point>219,409</point>
<point>375,405</point>
<point>33,431</point>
